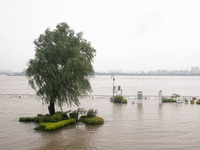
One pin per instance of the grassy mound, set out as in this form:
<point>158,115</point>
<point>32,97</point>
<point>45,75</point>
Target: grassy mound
<point>94,121</point>
<point>50,126</point>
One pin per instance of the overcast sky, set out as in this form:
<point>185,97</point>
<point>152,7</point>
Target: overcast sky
<point>128,35</point>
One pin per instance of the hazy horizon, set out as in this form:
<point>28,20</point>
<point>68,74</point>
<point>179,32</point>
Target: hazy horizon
<point>128,35</point>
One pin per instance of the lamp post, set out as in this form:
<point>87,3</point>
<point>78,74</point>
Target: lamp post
<point>113,84</point>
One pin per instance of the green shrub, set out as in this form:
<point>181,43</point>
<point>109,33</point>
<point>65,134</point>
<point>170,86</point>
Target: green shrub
<point>40,118</point>
<point>39,115</point>
<point>57,117</point>
<point>192,101</point>
<point>168,100</point>
<point>124,100</point>
<point>198,102</point>
<point>94,121</point>
<point>44,118</point>
<point>118,99</point>
<point>26,119</point>
<point>65,116</point>
<point>82,118</point>
<point>91,113</point>
<point>55,125</point>
<point>73,115</point>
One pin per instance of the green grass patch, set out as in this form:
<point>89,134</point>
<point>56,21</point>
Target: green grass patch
<point>94,121</point>
<point>50,126</point>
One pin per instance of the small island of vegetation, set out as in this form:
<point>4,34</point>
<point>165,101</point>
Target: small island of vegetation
<point>62,119</point>
<point>118,99</point>
<point>60,74</point>
<point>172,99</point>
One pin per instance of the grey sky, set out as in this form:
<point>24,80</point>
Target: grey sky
<point>127,34</point>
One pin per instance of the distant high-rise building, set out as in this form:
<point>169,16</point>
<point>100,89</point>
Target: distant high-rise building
<point>195,70</point>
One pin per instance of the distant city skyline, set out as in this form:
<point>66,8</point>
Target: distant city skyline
<point>195,69</point>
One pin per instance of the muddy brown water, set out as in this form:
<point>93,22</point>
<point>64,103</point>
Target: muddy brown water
<point>138,125</point>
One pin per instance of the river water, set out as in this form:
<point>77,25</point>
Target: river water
<point>138,125</point>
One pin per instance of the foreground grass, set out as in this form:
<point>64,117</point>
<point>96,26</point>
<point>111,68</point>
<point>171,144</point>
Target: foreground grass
<point>50,126</point>
<point>94,120</point>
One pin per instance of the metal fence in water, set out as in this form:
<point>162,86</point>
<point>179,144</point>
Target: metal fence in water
<point>146,97</point>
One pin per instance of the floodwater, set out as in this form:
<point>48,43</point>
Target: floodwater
<point>138,125</point>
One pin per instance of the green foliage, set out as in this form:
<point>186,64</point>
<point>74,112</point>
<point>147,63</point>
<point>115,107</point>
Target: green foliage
<point>186,101</point>
<point>65,116</point>
<point>74,115</point>
<point>198,102</point>
<point>27,119</point>
<point>192,101</point>
<point>168,100</point>
<point>62,66</point>
<point>91,113</point>
<point>82,118</point>
<point>54,125</point>
<point>94,121</point>
<point>58,116</point>
<point>118,99</point>
<point>124,100</point>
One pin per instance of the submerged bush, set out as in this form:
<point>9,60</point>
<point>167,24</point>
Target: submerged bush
<point>91,113</point>
<point>192,101</point>
<point>168,100</point>
<point>73,115</point>
<point>94,121</point>
<point>118,99</point>
<point>65,116</point>
<point>58,120</point>
<point>198,102</point>
<point>50,126</point>
<point>82,118</point>
<point>124,100</point>
<point>58,116</point>
<point>27,119</point>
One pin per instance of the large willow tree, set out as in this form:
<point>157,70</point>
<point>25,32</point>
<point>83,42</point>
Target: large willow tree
<point>62,67</point>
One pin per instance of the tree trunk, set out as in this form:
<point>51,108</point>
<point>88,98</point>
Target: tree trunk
<point>51,109</point>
